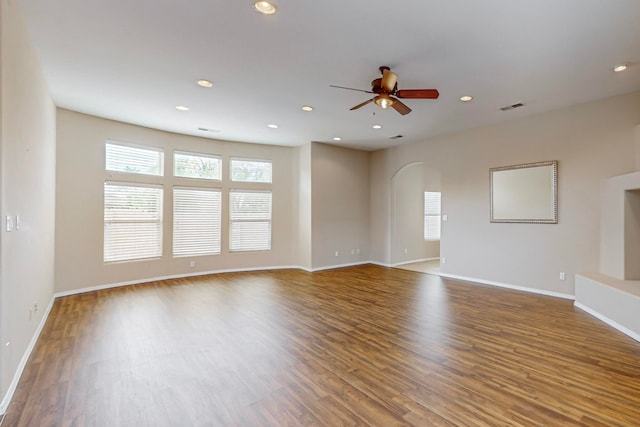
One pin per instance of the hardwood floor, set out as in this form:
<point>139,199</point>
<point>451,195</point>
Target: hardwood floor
<point>355,346</point>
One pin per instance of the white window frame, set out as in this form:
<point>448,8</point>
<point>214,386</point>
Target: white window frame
<point>430,214</point>
<point>232,221</point>
<point>158,221</point>
<point>194,154</point>
<point>206,246</point>
<point>245,159</point>
<point>158,150</point>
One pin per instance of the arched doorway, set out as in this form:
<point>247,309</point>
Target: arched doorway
<point>408,187</point>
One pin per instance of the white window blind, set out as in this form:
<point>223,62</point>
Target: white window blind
<point>130,159</point>
<point>431,215</point>
<point>132,222</point>
<point>196,221</point>
<point>247,170</point>
<point>250,216</point>
<point>192,165</point>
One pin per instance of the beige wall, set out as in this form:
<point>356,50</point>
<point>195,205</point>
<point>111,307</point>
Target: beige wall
<point>591,142</point>
<point>632,235</point>
<point>619,229</point>
<point>304,207</point>
<point>637,148</point>
<point>407,238</point>
<point>27,184</point>
<point>79,222</point>
<point>340,205</point>
<point>407,214</point>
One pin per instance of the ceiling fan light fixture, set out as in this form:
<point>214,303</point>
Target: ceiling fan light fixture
<point>384,101</point>
<point>307,108</point>
<point>619,68</point>
<point>265,7</point>
<point>377,126</point>
<point>182,108</point>
<point>466,98</point>
<point>337,138</point>
<point>272,126</point>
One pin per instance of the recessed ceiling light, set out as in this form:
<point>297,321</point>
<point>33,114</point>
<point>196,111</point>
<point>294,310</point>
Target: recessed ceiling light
<point>466,98</point>
<point>307,108</point>
<point>619,68</point>
<point>265,7</point>
<point>377,126</point>
<point>182,108</point>
<point>337,138</point>
<point>205,83</point>
<point>272,126</point>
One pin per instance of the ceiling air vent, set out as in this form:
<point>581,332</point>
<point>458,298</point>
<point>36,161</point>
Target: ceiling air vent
<point>395,137</point>
<point>511,107</point>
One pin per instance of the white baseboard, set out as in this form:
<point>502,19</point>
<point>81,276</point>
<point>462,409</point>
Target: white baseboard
<point>381,264</point>
<point>204,273</point>
<point>174,276</point>
<point>608,321</point>
<point>412,261</point>
<point>25,357</point>
<point>508,286</point>
<point>331,267</point>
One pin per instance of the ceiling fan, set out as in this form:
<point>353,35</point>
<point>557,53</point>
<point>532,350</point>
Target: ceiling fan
<point>386,90</point>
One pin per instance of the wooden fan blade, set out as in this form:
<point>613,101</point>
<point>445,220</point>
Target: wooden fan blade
<point>418,93</point>
<point>389,80</point>
<point>350,88</point>
<point>399,106</point>
<point>362,104</point>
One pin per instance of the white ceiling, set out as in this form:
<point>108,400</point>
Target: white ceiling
<point>134,61</point>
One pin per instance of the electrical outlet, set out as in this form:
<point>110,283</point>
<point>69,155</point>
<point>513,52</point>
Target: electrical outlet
<point>443,260</point>
<point>563,275</point>
<point>337,253</point>
<point>406,251</point>
<point>192,264</point>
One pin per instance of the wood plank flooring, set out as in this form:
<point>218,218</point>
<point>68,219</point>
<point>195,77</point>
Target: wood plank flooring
<point>355,346</point>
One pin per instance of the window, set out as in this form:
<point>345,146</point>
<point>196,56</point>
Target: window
<point>132,221</point>
<point>246,170</point>
<point>131,159</point>
<point>250,215</point>
<point>196,221</point>
<point>191,165</point>
<point>431,215</point>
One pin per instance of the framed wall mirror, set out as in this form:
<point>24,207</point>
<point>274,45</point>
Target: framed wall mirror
<point>525,193</point>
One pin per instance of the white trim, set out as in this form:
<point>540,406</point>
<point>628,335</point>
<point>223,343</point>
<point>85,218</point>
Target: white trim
<point>415,260</point>
<point>25,357</point>
<point>508,286</point>
<point>330,267</point>
<point>608,321</point>
<point>173,276</point>
<point>381,264</point>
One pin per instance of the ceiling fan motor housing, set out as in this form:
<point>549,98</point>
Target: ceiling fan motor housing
<point>376,87</point>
